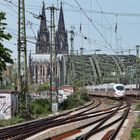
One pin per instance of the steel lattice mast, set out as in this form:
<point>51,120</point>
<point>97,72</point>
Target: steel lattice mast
<point>53,63</point>
<point>22,59</point>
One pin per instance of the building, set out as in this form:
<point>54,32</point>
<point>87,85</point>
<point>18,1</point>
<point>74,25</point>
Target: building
<point>43,44</point>
<point>61,35</point>
<point>39,63</point>
<point>8,104</point>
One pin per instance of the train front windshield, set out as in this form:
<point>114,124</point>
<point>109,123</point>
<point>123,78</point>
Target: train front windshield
<point>119,87</point>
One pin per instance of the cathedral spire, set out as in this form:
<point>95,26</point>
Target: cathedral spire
<point>42,16</point>
<point>43,45</point>
<point>61,35</point>
<point>61,24</point>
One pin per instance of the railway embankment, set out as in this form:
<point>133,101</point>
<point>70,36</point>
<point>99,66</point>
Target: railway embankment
<point>125,132</point>
<point>135,130</point>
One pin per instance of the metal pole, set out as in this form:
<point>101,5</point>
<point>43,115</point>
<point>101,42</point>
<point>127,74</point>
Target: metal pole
<point>72,40</point>
<point>22,60</point>
<point>137,69</point>
<point>53,63</point>
<point>81,61</point>
<point>18,47</point>
<point>72,55</point>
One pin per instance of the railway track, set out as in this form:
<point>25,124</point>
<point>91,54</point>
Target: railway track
<point>84,113</point>
<point>30,128</point>
<point>105,125</point>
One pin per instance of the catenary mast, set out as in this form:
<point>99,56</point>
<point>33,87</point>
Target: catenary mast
<point>22,61</point>
<point>53,63</point>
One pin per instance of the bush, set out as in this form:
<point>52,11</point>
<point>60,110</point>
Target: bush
<point>40,107</point>
<point>43,87</point>
<point>84,96</point>
<point>74,100</point>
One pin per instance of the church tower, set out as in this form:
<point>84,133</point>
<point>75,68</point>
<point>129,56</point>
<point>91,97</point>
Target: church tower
<point>61,35</point>
<point>43,45</point>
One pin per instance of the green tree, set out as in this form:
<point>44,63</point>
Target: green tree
<point>5,53</point>
<point>43,87</point>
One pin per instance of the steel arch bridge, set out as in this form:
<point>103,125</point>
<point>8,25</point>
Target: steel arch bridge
<point>97,69</point>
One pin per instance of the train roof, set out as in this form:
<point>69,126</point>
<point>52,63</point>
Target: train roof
<point>130,86</point>
<point>104,85</point>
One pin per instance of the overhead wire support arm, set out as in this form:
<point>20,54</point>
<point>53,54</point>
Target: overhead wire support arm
<point>40,17</point>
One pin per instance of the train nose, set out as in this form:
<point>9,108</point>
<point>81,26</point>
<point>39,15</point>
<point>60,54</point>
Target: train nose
<point>120,93</point>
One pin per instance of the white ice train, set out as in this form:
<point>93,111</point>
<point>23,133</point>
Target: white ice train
<point>132,90</point>
<point>107,90</point>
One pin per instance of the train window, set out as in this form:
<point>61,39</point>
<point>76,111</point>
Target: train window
<point>127,89</point>
<point>102,89</point>
<point>119,87</point>
<point>96,89</point>
<point>110,89</point>
<point>134,89</point>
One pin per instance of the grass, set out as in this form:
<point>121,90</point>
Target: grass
<point>137,107</point>
<point>12,121</point>
<point>135,134</point>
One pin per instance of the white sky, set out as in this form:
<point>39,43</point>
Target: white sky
<point>99,28</point>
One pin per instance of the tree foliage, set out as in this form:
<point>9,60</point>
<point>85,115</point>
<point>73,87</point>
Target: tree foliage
<point>5,53</point>
<point>43,87</point>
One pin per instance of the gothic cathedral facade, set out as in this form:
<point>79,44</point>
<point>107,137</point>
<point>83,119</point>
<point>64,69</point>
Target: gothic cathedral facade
<point>39,63</point>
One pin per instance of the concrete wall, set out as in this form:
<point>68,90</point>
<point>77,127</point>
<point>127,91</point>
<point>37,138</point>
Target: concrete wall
<point>8,104</point>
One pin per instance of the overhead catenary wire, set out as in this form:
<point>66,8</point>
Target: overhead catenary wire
<point>78,9</point>
<point>101,12</point>
<point>39,17</point>
<point>34,15</point>
<point>116,25</point>
<point>94,26</point>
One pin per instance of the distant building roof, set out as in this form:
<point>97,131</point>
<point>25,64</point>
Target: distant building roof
<point>43,57</point>
<point>40,57</point>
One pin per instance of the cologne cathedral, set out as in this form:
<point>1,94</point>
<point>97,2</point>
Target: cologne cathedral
<point>39,63</point>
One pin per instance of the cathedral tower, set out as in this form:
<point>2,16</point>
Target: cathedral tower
<point>43,45</point>
<point>61,35</point>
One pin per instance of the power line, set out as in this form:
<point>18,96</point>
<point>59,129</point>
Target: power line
<point>17,6</point>
<point>101,12</point>
<point>10,9</point>
<point>14,32</point>
<point>115,31</point>
<point>94,26</point>
<point>78,9</point>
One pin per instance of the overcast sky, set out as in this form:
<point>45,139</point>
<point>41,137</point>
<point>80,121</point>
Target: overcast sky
<point>98,19</point>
